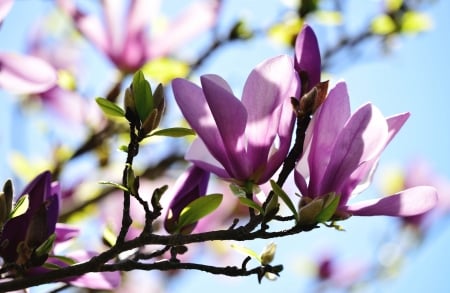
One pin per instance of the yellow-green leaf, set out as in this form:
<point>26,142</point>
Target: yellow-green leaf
<point>330,18</point>
<point>280,192</point>
<point>164,69</point>
<point>383,25</point>
<point>286,32</point>
<point>416,22</point>
<point>198,209</point>
<point>173,132</point>
<point>20,207</point>
<point>109,108</point>
<point>246,251</point>
<point>251,204</point>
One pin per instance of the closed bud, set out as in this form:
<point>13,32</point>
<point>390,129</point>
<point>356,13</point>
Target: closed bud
<point>268,254</point>
<point>130,107</point>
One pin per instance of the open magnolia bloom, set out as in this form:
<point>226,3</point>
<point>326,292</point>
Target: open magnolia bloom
<point>237,138</point>
<point>340,153</point>
<point>124,37</point>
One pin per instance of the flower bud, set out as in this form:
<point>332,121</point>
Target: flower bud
<point>268,254</point>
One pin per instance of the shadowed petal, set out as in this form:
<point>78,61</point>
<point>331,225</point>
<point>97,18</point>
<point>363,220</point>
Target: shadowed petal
<point>266,90</point>
<point>328,122</point>
<point>199,154</point>
<point>362,139</point>
<point>307,56</point>
<point>409,202</point>
<point>230,118</point>
<point>21,74</point>
<point>193,105</point>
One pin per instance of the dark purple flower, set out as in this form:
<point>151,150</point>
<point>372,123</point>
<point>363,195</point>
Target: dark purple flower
<point>237,138</point>
<point>340,154</point>
<point>190,185</point>
<point>23,234</point>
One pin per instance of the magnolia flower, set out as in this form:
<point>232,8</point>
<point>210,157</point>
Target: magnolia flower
<point>307,58</point>
<point>237,138</point>
<point>22,74</point>
<point>23,234</point>
<point>341,151</point>
<point>125,40</point>
<point>190,185</point>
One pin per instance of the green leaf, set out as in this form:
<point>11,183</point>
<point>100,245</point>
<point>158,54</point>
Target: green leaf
<point>116,185</point>
<point>142,94</point>
<point>198,209</point>
<point>173,132</point>
<point>109,108</point>
<point>280,192</point>
<point>20,207</point>
<point>330,205</point>
<point>237,190</point>
<point>251,204</point>
<point>247,251</point>
<point>383,25</point>
<point>46,247</point>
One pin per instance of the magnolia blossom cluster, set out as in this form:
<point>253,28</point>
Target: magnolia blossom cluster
<point>245,141</point>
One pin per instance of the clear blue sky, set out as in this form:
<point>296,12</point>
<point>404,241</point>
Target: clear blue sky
<point>413,78</point>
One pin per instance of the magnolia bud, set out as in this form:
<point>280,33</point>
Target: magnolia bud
<point>268,254</point>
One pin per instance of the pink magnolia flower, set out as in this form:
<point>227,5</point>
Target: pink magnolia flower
<point>126,41</point>
<point>236,138</point>
<point>341,151</point>
<point>22,74</point>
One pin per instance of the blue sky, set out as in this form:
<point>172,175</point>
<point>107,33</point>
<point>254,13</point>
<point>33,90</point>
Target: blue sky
<point>413,78</point>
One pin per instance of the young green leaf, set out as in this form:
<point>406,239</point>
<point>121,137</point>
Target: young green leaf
<point>109,108</point>
<point>251,204</point>
<point>280,192</point>
<point>142,94</point>
<point>173,132</point>
<point>20,207</point>
<point>246,251</point>
<point>329,208</point>
<point>116,185</point>
<point>198,209</point>
<point>45,247</point>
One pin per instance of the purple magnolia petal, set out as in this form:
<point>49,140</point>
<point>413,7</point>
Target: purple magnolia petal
<point>395,123</point>
<point>410,202</point>
<point>5,7</point>
<point>21,74</point>
<point>197,18</point>
<point>193,105</point>
<point>268,87</point>
<point>191,185</point>
<point>307,56</point>
<point>96,281</point>
<point>328,122</point>
<point>362,139</point>
<point>199,154</point>
<point>90,26</point>
<point>230,118</point>
<point>65,232</point>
